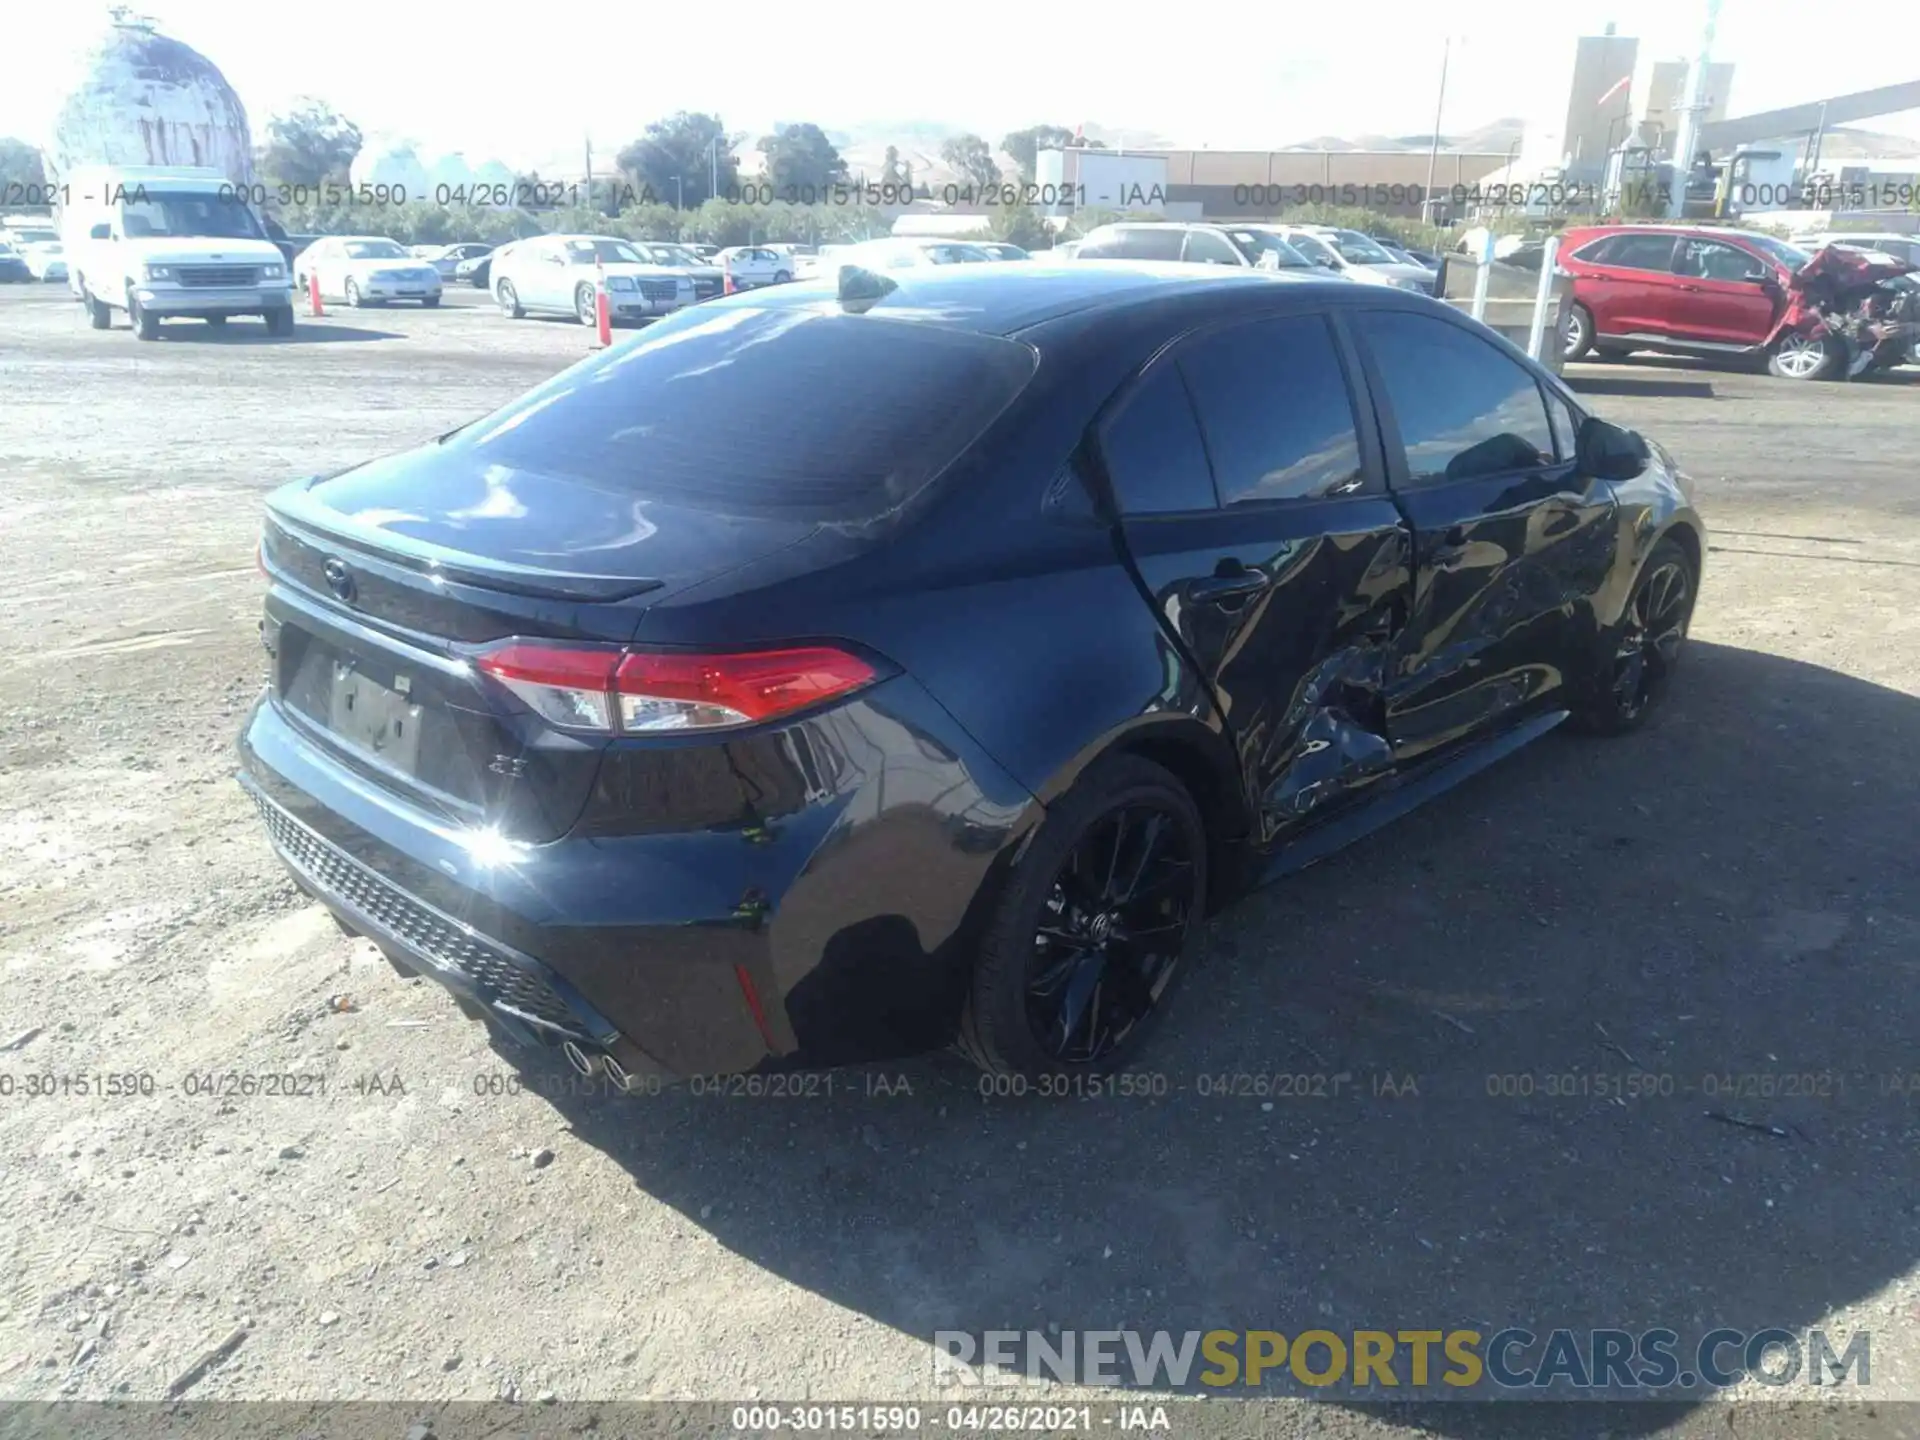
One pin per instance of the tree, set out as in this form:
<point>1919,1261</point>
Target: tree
<point>971,160</point>
<point>311,146</point>
<point>681,157</point>
<point>1025,145</point>
<point>1021,225</point>
<point>21,172</point>
<point>801,162</point>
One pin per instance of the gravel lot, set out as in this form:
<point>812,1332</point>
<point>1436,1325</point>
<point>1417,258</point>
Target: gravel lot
<point>1730,894</point>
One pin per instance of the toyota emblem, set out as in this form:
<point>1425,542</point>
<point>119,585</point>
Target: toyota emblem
<point>339,579</point>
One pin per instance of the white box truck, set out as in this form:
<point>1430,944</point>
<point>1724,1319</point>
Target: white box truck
<point>169,244</point>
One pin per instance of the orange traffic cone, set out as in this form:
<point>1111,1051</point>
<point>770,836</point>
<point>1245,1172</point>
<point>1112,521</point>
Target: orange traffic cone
<point>313,293</point>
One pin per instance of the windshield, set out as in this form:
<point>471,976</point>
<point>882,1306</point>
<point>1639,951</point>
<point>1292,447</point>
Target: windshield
<point>1256,245</point>
<point>609,252</point>
<point>151,212</point>
<point>1791,256</point>
<point>1315,252</point>
<point>375,250</point>
<point>677,255</point>
<point>851,414</point>
<point>1359,250</point>
<point>34,237</point>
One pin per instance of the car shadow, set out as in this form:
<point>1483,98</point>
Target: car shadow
<point>1395,1093</point>
<point>1632,385</point>
<point>306,331</point>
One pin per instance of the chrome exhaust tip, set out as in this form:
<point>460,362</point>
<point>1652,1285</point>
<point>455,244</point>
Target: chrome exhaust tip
<point>623,1080</point>
<point>588,1065</point>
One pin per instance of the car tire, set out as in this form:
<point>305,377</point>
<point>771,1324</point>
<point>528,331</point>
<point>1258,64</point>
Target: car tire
<point>781,277</point>
<point>1043,944</point>
<point>350,292</point>
<point>1640,654</point>
<point>216,322</point>
<point>99,313</point>
<point>432,302</point>
<point>1799,356</point>
<point>280,321</point>
<point>146,324</point>
<point>1576,336</point>
<point>509,299</point>
<point>584,308</point>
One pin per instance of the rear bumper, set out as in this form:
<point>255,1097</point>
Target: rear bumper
<point>833,923</point>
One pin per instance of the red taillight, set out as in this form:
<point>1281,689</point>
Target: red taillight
<point>657,692</point>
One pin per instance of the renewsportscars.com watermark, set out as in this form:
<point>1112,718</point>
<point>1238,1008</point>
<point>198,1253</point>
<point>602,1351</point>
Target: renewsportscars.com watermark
<point>1460,1361</point>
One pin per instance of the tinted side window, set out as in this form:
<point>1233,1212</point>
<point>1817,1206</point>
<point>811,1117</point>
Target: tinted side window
<point>1597,252</point>
<point>1464,409</point>
<point>1710,260</point>
<point>1273,405</point>
<point>1205,246</point>
<point>1560,416</point>
<point>1153,450</point>
<point>1641,252</point>
<point>1146,244</point>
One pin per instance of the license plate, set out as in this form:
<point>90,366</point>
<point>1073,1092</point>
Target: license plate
<point>372,718</point>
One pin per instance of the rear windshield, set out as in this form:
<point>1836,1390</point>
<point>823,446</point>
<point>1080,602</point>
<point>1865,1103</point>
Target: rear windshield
<point>789,413</point>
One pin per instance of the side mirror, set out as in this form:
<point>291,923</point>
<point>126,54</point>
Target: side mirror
<point>1609,452</point>
<point>100,232</point>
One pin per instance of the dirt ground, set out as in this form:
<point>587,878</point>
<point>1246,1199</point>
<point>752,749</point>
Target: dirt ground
<point>1727,898</point>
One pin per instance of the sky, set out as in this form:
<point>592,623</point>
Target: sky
<point>513,82</point>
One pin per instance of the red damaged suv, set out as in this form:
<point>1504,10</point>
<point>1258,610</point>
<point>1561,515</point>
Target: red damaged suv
<point>1692,290</point>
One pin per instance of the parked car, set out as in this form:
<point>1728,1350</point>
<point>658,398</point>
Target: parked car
<point>1692,290</point>
<point>166,243</point>
<point>900,252</point>
<point>682,714</point>
<point>1408,254</point>
<point>555,275</point>
<point>1904,248</point>
<point>13,265</point>
<point>708,280</point>
<point>46,260</point>
<point>1257,246</point>
<point>748,266</point>
<point>705,252</point>
<point>24,237</point>
<point>1352,254</point>
<point>1000,250</point>
<point>367,270</point>
<point>446,259</point>
<point>478,271</point>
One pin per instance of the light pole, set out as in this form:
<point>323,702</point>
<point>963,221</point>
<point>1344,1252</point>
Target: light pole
<point>1690,110</point>
<point>1433,149</point>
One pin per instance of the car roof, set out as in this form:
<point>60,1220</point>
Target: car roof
<point>1158,225</point>
<point>1000,300</point>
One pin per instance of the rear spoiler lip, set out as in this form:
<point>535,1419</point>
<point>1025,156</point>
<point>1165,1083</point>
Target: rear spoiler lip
<point>336,533</point>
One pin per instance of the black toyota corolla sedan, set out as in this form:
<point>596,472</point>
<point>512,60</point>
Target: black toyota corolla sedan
<point>837,672</point>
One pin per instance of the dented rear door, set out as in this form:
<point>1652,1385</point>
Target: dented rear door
<point>1256,516</point>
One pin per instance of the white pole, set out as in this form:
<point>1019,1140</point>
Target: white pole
<point>1691,107</point>
<point>1543,296</point>
<point>1482,276</point>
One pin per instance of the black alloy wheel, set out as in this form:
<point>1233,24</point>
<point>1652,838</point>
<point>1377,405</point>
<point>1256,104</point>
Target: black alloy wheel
<point>1647,642</point>
<point>1092,931</point>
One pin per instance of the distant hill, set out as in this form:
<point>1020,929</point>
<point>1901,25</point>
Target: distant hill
<point>1491,138</point>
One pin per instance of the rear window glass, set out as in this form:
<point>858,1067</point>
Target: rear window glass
<point>792,414</point>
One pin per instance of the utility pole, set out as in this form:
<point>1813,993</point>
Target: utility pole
<point>1691,108</point>
<point>589,140</point>
<point>1433,149</point>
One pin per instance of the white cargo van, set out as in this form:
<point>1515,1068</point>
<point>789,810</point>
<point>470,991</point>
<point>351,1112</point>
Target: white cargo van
<point>169,244</point>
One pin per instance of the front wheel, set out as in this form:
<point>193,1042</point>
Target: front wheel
<point>352,293</point>
<point>781,277</point>
<point>280,321</point>
<point>431,302</point>
<point>1646,644</point>
<point>99,313</point>
<point>146,324</point>
<point>584,307</point>
<point>1799,356</point>
<point>1092,929</point>
<point>509,299</point>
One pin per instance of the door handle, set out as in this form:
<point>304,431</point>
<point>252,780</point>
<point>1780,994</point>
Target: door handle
<point>1233,585</point>
<point>1692,288</point>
